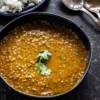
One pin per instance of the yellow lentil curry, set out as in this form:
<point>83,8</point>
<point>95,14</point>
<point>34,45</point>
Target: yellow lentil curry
<point>19,52</point>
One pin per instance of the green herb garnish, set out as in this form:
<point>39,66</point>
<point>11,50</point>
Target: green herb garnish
<point>41,63</point>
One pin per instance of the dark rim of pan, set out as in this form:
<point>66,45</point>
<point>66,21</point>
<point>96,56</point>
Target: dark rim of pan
<point>25,10</point>
<point>49,15</point>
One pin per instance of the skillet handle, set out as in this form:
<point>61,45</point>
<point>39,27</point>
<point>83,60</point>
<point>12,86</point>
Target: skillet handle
<point>96,21</point>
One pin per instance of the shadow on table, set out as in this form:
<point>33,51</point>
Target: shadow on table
<point>67,11</point>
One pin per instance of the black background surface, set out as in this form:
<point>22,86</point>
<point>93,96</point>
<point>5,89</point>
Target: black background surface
<point>90,87</point>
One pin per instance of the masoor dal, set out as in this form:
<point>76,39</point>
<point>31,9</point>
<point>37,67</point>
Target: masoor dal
<point>18,55</point>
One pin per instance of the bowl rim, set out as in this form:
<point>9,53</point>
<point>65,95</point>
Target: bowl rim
<point>30,9</point>
<point>61,18</point>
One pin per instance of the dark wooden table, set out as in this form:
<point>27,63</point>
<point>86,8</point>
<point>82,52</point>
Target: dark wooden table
<point>90,88</point>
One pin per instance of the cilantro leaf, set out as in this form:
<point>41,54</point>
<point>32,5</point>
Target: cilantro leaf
<point>43,69</point>
<point>44,55</point>
<point>40,64</point>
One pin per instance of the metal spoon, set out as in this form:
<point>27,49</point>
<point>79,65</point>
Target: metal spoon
<point>93,6</point>
<point>78,5</point>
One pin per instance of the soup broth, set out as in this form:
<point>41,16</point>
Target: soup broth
<point>18,56</point>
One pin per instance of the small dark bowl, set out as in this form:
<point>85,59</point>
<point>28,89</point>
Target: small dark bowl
<point>24,11</point>
<point>52,19</point>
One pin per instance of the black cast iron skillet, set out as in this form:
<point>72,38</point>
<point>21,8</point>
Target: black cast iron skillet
<point>51,18</point>
<point>24,11</point>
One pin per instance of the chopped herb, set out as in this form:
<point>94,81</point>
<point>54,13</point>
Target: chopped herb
<point>43,69</point>
<point>40,64</point>
<point>44,55</point>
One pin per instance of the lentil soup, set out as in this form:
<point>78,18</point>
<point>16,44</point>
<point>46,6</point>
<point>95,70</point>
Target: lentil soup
<point>64,65</point>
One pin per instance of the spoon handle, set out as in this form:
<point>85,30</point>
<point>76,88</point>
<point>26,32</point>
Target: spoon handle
<point>97,22</point>
<point>98,14</point>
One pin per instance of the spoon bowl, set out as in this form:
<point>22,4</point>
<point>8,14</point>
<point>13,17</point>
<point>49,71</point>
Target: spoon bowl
<point>75,5</point>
